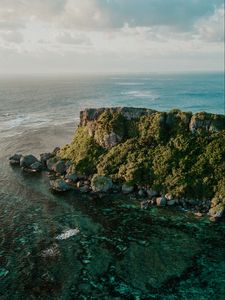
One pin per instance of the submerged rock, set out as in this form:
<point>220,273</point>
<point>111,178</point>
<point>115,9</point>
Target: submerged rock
<point>101,183</point>
<point>27,160</point>
<point>59,185</point>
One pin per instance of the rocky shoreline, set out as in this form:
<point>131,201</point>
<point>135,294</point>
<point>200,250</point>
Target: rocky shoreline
<point>62,179</point>
<point>102,136</point>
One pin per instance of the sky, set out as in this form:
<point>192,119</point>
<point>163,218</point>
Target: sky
<point>111,36</point>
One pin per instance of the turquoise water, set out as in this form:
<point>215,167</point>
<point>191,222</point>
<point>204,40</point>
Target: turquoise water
<point>119,251</point>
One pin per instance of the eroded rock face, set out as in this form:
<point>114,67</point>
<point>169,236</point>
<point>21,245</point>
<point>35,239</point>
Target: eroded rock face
<point>207,122</point>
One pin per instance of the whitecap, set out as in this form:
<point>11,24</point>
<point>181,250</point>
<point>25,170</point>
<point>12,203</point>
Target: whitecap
<point>141,94</point>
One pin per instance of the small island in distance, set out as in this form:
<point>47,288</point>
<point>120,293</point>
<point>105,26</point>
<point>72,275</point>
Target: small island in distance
<point>173,158</point>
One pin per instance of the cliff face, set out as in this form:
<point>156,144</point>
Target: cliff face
<point>108,119</point>
<point>172,152</point>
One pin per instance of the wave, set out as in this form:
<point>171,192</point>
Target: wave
<point>141,94</point>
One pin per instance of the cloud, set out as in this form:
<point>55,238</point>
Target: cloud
<point>106,14</point>
<point>212,28</point>
<point>73,39</point>
<point>12,37</point>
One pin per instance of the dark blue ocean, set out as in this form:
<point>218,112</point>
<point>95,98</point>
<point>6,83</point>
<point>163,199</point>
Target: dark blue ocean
<point>120,251</point>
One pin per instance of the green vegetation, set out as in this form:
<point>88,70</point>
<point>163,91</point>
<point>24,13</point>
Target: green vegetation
<point>159,150</point>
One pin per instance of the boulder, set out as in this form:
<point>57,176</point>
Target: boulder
<point>44,157</point>
<point>27,160</point>
<point>171,202</point>
<point>59,185</point>
<point>161,201</point>
<point>71,177</point>
<point>15,159</point>
<point>152,193</point>
<point>51,162</point>
<point>217,211</point>
<point>127,188</point>
<point>101,183</point>
<point>36,167</point>
<point>84,189</point>
<point>59,167</point>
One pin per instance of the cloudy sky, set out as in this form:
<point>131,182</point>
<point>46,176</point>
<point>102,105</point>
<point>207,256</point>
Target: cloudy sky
<point>53,36</point>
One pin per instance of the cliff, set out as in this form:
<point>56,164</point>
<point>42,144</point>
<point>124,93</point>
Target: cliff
<point>172,152</point>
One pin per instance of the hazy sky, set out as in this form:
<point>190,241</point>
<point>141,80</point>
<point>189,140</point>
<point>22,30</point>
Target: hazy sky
<point>39,36</point>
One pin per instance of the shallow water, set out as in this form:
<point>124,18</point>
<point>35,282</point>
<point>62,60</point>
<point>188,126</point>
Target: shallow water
<point>82,247</point>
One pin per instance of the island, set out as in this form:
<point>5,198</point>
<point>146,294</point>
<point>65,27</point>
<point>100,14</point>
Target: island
<point>174,159</point>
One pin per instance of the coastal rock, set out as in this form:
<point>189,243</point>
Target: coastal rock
<point>44,157</point>
<point>27,160</point>
<point>127,188</point>
<point>59,185</point>
<point>217,211</point>
<point>51,162</point>
<point>59,167</point>
<point>151,193</point>
<point>161,201</point>
<point>71,177</point>
<point>15,159</point>
<point>101,183</point>
<point>36,167</point>
<point>84,189</point>
<point>171,202</point>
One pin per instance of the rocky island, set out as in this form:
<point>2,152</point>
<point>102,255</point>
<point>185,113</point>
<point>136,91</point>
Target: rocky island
<point>164,158</point>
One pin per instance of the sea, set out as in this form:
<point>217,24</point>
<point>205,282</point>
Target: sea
<point>75,246</point>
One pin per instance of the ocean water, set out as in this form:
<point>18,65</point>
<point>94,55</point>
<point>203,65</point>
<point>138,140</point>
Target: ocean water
<point>79,247</point>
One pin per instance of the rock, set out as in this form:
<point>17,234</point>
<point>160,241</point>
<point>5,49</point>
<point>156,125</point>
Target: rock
<point>15,159</point>
<point>200,121</point>
<point>111,140</point>
<point>59,185</point>
<point>27,160</point>
<point>59,167</point>
<point>217,211</point>
<point>141,193</point>
<point>171,202</point>
<point>79,184</point>
<point>101,183</point>
<point>56,150</point>
<point>44,157</point>
<point>168,196</point>
<point>36,167</point>
<point>84,189</point>
<point>161,201</point>
<point>215,201</point>
<point>152,193</point>
<point>127,188</point>
<point>71,177</point>
<point>51,162</point>
<point>198,214</point>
